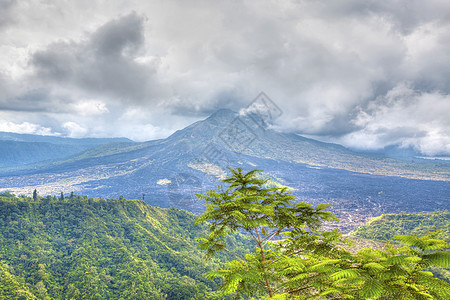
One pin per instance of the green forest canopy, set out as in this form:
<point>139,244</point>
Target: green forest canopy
<point>386,226</point>
<point>81,248</point>
<point>84,248</point>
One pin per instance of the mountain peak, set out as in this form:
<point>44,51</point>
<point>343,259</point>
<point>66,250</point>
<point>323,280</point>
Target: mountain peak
<point>221,117</point>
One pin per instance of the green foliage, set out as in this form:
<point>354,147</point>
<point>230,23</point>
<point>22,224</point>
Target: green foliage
<point>12,287</point>
<point>80,248</point>
<point>294,259</point>
<point>392,273</point>
<point>7,195</point>
<point>266,214</point>
<point>385,227</point>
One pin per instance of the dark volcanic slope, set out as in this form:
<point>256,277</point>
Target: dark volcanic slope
<point>171,170</point>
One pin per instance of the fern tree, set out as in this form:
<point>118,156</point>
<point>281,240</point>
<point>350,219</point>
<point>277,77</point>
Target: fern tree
<point>267,215</point>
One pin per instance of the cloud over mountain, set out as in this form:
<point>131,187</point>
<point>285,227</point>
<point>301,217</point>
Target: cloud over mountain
<point>366,74</point>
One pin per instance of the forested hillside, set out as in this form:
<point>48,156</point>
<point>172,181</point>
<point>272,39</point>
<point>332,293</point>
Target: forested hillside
<point>80,248</point>
<point>385,227</point>
<point>84,248</point>
<point>12,287</point>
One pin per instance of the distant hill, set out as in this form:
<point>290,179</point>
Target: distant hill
<point>57,140</point>
<point>170,171</point>
<point>80,248</point>
<point>18,150</point>
<point>386,226</point>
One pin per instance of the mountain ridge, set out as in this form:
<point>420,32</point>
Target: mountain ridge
<point>22,150</point>
<point>193,159</point>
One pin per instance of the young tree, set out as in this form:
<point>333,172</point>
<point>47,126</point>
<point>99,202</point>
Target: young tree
<point>266,214</point>
<point>294,259</point>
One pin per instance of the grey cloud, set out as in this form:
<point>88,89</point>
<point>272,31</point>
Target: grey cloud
<point>35,101</point>
<point>6,16</point>
<point>26,97</point>
<point>323,63</point>
<point>55,63</point>
<point>121,37</point>
<point>391,136</point>
<point>404,16</point>
<point>103,64</point>
<point>333,68</point>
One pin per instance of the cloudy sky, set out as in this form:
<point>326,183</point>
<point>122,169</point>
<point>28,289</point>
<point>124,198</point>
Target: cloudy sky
<point>366,74</point>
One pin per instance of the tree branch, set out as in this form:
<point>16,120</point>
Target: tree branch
<point>235,254</point>
<point>269,237</point>
<point>263,262</point>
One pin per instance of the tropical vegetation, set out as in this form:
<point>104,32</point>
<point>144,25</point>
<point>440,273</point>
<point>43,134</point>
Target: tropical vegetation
<point>83,248</point>
<point>294,258</point>
<point>386,226</point>
<point>258,240</point>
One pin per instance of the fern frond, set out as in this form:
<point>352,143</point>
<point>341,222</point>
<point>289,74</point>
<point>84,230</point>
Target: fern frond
<point>371,289</point>
<point>409,240</point>
<point>330,291</point>
<point>323,263</point>
<point>374,266</point>
<point>399,260</point>
<point>348,273</point>
<point>439,259</point>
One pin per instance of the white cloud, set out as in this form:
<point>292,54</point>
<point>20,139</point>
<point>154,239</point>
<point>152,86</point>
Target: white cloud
<point>74,130</point>
<point>404,117</point>
<point>89,107</point>
<point>333,68</point>
<point>25,127</point>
